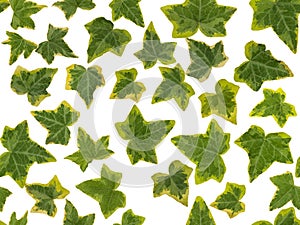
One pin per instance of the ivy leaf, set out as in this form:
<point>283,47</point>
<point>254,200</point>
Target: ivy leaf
<point>261,67</point>
<point>274,105</point>
<point>153,50</point>
<point>3,5</point>
<point>175,184</point>
<point>204,57</point>
<point>229,200</point>
<point>23,10</point>
<point>69,7</point>
<point>222,103</point>
<point>89,149</point>
<point>192,15</point>
<point>264,150</point>
<point>129,218</point>
<point>55,45</point>
<point>103,190</point>
<point>128,9</point>
<point>72,217</point>
<point>126,87</point>
<point>44,194</point>
<point>103,38</point>
<point>33,83</point>
<point>297,172</point>
<point>4,194</point>
<point>143,136</point>
<point>200,214</point>
<point>286,191</point>
<point>173,86</point>
<point>284,217</point>
<point>205,151</point>
<point>281,15</point>
<point>57,122</point>
<point>22,153</point>
<point>19,46</point>
<point>84,81</point>
<point>15,221</point>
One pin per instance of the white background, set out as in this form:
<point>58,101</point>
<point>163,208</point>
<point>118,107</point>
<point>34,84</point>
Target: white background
<point>162,210</point>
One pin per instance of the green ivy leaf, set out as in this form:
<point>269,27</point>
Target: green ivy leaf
<point>57,122</point>
<point>18,46</point>
<point>23,10</point>
<point>69,7</point>
<point>192,15</point>
<point>89,149</point>
<point>44,194</point>
<point>175,184</point>
<point>84,81</point>
<point>274,105</point>
<point>264,150</point>
<point>204,57</point>
<point>284,217</point>
<point>222,103</point>
<point>72,217</point>
<point>205,151</point>
<point>3,5</point>
<point>143,136</point>
<point>281,15</point>
<point>103,190</point>
<point>261,67</point>
<point>129,218</point>
<point>173,87</point>
<point>128,9</point>
<point>22,153</point>
<point>126,87</point>
<point>229,200</point>
<point>297,172</point>
<point>55,45</point>
<point>286,191</point>
<point>15,221</point>
<point>4,194</point>
<point>103,38</point>
<point>200,214</point>
<point>33,83</point>
<point>153,50</point>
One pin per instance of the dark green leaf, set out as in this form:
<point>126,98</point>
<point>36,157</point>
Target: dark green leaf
<point>143,136</point>
<point>173,87</point>
<point>297,172</point>
<point>15,221</point>
<point>44,194</point>
<point>3,5</point>
<point>22,153</point>
<point>153,50</point>
<point>57,122</point>
<point>19,46</point>
<point>261,67</point>
<point>264,150</point>
<point>4,194</point>
<point>129,218</point>
<point>205,151</point>
<point>103,38</point>
<point>72,217</point>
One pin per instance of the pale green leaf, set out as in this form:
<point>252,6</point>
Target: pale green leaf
<point>89,149</point>
<point>103,38</point>
<point>45,194</point>
<point>3,5</point>
<point>57,122</point>
<point>22,153</point>
<point>15,221</point>
<point>129,218</point>
<point>72,217</point>
<point>173,87</point>
<point>263,149</point>
<point>103,190</point>
<point>297,171</point>
<point>205,151</point>
<point>33,83</point>
<point>153,50</point>
<point>229,200</point>
<point>223,103</point>
<point>126,87</point>
<point>84,81</point>
<point>192,15</point>
<point>260,67</point>
<point>143,136</point>
<point>274,105</point>
<point>19,46</point>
